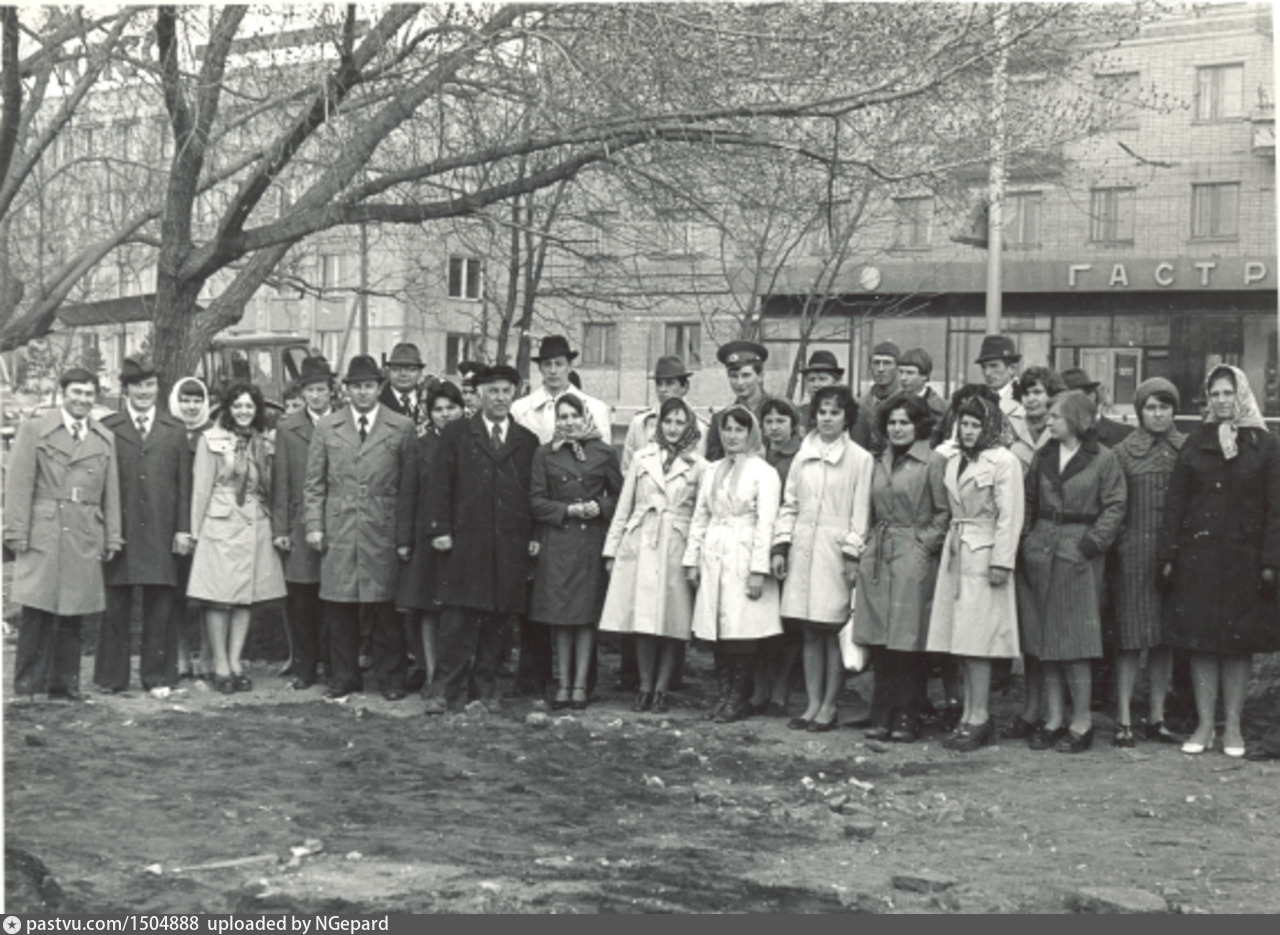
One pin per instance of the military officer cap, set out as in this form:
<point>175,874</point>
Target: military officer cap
<point>738,353</point>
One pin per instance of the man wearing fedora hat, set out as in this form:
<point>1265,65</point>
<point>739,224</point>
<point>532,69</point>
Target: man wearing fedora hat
<point>999,359</point>
<point>915,366</point>
<point>302,611</point>
<point>403,393</point>
<point>62,521</point>
<point>822,370</point>
<point>537,411</point>
<point>350,493</point>
<point>670,379</point>
<point>884,386</point>
<point>1109,432</point>
<point>744,366</point>
<point>154,464</point>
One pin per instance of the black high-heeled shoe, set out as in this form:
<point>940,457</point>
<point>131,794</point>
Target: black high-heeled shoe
<point>643,702</point>
<point>661,703</point>
<point>579,702</point>
<point>1075,743</point>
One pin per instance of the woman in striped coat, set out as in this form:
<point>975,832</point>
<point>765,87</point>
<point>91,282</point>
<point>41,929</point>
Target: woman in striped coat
<point>1075,506</point>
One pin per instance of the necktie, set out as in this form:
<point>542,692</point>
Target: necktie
<point>75,432</point>
<point>496,437</point>
<point>142,426</point>
<point>364,428</point>
<point>405,404</point>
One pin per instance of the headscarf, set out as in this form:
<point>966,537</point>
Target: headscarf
<point>948,428</point>
<point>982,408</point>
<point>589,429</point>
<point>730,467</point>
<point>1246,414</point>
<point>688,438</point>
<point>1141,440</point>
<point>175,394</point>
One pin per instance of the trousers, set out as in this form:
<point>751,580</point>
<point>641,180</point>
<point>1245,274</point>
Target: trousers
<point>48,653</point>
<point>158,658</point>
<point>386,635</point>
<point>308,635</point>
<point>468,649</point>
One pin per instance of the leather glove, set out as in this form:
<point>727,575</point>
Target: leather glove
<point>1267,583</point>
<point>1164,577</point>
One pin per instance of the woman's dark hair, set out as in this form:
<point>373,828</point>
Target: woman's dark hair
<point>574,402</point>
<point>190,386</point>
<point>842,396</point>
<point>782,408</point>
<point>672,404</point>
<point>444,390</point>
<point>917,411</point>
<point>741,415</point>
<point>1222,370</point>
<point>1045,376</point>
<point>234,392</point>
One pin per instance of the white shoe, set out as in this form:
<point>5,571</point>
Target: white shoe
<point>1234,752</point>
<point>160,692</point>
<point>1194,748</point>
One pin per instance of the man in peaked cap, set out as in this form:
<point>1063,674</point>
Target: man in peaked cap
<point>154,462</point>
<point>537,411</point>
<point>999,359</point>
<point>884,385</point>
<point>670,379</point>
<point>350,496</point>
<point>1109,431</point>
<point>303,616</point>
<point>744,365</point>
<point>403,394</point>
<point>62,521</point>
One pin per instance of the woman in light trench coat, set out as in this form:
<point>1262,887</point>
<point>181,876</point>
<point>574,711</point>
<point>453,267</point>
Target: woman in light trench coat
<point>727,558</point>
<point>975,613</point>
<point>821,533</point>
<point>648,593</point>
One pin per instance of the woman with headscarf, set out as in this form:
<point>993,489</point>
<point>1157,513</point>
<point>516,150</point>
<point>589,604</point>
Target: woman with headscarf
<point>235,564</point>
<point>727,559</point>
<point>1219,554</point>
<point>573,490</point>
<point>648,594</point>
<point>1146,456</point>
<point>974,614</point>
<point>189,402</point>
<point>1076,497</point>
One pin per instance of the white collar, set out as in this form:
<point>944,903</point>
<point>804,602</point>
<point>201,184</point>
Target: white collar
<point>135,413</point>
<point>68,421</point>
<point>371,416</point>
<point>489,424</point>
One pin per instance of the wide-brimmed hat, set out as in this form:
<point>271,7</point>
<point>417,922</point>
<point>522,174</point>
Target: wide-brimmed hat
<point>135,370</point>
<point>405,355</point>
<point>77,375</point>
<point>554,345</point>
<point>498,372</point>
<point>1077,379</point>
<point>823,362</point>
<point>314,370</point>
<point>670,367</point>
<point>361,369</point>
<point>737,353</point>
<point>998,347</point>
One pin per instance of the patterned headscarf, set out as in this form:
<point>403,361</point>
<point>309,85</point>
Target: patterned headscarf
<point>688,438</point>
<point>979,407</point>
<point>589,429</point>
<point>1246,414</point>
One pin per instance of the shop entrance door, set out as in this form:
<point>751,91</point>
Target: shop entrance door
<point>1118,369</point>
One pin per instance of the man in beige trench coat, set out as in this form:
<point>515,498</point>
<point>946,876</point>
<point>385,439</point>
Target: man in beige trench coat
<point>62,521</point>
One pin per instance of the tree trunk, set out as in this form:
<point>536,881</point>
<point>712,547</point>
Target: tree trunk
<point>179,341</point>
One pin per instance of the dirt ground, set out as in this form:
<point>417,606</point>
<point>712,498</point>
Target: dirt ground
<point>603,811</point>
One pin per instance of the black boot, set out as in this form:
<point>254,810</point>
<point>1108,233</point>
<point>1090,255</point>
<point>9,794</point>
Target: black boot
<point>723,684</point>
<point>738,707</point>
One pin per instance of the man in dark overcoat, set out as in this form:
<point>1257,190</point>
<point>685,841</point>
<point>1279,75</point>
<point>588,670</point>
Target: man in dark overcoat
<point>480,518</point>
<point>62,521</point>
<point>350,495</point>
<point>302,613</point>
<point>154,463</point>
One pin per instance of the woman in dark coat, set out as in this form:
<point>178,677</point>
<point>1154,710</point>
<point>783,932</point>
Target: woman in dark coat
<point>1075,507</point>
<point>573,492</point>
<point>416,586</point>
<point>1219,553</point>
<point>1147,456</point>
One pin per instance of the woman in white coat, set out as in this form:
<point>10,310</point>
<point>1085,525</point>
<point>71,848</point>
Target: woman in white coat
<point>975,613</point>
<point>728,559</point>
<point>649,596</point>
<point>821,533</point>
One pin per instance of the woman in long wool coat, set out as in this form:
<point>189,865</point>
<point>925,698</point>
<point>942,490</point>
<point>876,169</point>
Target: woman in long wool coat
<point>235,565</point>
<point>896,575</point>
<point>727,559</point>
<point>975,612</point>
<point>649,596</point>
<point>573,492</point>
<point>1220,553</point>
<point>821,532</point>
<point>1075,507</point>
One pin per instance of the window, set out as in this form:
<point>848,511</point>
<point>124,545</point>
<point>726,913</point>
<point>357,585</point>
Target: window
<point>914,218</point>
<point>684,339</point>
<point>1111,215</point>
<point>677,233</point>
<point>124,140</point>
<point>1219,93</point>
<point>1215,211</point>
<point>457,348</point>
<point>604,224</point>
<point>599,345</point>
<point>1022,219</point>
<point>333,271</point>
<point>464,277</point>
<point>1119,94</point>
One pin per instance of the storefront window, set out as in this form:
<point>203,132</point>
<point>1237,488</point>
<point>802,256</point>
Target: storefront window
<point>1142,330</point>
<point>1084,331</point>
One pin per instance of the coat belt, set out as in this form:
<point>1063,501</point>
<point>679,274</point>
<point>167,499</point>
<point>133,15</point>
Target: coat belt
<point>1062,518</point>
<point>878,533</point>
<point>76,495</point>
<point>953,550</point>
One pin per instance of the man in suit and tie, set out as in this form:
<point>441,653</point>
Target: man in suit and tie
<point>288,527</point>
<point>480,518</point>
<point>403,393</point>
<point>154,462</point>
<point>62,521</point>
<point>349,495</point>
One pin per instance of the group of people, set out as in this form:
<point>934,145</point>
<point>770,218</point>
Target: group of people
<point>414,523</point>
